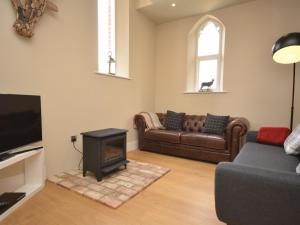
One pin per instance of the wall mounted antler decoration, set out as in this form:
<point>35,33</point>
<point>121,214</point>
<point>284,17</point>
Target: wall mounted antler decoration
<point>29,12</point>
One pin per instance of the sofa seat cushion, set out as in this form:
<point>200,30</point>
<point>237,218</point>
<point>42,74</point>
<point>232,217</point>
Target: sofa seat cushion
<point>266,157</point>
<point>170,136</point>
<point>203,140</point>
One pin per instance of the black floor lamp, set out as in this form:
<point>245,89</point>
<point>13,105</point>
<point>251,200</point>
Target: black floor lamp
<point>286,50</point>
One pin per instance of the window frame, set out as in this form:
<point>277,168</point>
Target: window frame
<point>219,57</point>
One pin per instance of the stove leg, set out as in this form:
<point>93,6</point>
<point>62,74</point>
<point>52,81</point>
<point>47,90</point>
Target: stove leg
<point>99,176</point>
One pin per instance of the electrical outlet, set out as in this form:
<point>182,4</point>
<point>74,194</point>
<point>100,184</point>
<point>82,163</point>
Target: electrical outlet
<point>73,138</point>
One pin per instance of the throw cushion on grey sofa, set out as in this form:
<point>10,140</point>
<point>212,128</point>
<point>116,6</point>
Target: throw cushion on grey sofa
<point>174,120</point>
<point>215,124</point>
<point>292,143</point>
<point>298,168</point>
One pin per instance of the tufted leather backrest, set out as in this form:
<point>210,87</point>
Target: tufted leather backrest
<point>193,123</point>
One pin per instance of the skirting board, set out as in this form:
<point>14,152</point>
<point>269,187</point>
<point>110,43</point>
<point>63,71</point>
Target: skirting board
<point>131,146</point>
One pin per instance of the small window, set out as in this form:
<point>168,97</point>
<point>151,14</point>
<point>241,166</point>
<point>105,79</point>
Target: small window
<point>209,55</point>
<point>113,37</point>
<point>107,36</point>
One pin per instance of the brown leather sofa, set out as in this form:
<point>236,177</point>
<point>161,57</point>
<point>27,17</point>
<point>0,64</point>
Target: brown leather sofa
<point>190,142</point>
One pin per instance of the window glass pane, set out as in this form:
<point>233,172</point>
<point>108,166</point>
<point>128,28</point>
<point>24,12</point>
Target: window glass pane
<point>209,39</point>
<point>106,36</point>
<point>207,71</point>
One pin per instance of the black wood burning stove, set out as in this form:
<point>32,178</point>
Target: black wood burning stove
<point>104,151</point>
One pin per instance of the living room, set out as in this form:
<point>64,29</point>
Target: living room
<point>60,63</point>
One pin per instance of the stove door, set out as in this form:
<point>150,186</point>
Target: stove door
<point>113,150</point>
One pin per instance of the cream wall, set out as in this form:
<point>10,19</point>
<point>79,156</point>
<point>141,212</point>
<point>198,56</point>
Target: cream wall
<point>58,63</point>
<point>258,88</point>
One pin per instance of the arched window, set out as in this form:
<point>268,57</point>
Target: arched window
<point>209,56</point>
<point>206,54</point>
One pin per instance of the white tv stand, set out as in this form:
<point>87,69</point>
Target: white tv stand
<point>34,175</point>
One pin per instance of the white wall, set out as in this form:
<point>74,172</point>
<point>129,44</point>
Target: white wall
<point>259,89</point>
<point>58,63</point>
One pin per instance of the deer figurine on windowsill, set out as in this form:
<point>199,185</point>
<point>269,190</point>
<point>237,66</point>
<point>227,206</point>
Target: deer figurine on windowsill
<point>207,84</point>
<point>29,13</point>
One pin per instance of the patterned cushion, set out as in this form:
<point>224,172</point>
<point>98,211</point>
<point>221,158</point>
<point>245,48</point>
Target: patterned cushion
<point>215,124</point>
<point>292,143</point>
<point>174,120</point>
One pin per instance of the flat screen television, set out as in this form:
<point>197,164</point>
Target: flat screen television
<point>20,121</point>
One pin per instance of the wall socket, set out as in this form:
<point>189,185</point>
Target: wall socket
<point>73,138</point>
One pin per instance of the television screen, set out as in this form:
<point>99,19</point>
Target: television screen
<point>20,121</point>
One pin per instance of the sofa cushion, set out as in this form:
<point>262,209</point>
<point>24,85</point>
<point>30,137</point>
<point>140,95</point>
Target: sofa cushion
<point>272,135</point>
<point>163,135</point>
<point>203,140</point>
<point>215,124</point>
<point>292,143</point>
<point>266,157</point>
<point>174,121</point>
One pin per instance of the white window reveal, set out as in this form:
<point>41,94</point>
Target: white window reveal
<point>107,36</point>
<point>113,37</point>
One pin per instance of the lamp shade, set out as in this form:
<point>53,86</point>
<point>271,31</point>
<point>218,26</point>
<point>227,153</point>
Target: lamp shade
<point>286,50</point>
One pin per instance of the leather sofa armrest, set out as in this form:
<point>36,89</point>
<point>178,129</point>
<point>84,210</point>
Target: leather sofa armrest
<point>247,195</point>
<point>235,134</point>
<point>238,122</point>
<point>140,125</point>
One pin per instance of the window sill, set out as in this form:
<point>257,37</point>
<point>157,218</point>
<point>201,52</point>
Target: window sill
<point>206,92</point>
<point>112,75</point>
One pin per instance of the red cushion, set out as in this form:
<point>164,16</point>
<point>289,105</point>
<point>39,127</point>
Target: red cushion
<point>272,135</point>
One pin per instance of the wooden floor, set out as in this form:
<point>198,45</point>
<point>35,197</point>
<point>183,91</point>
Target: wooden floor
<point>185,196</point>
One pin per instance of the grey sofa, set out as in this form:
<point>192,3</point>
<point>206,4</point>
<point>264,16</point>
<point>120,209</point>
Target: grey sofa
<point>260,187</point>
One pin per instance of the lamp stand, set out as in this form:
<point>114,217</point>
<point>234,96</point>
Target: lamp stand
<point>293,97</point>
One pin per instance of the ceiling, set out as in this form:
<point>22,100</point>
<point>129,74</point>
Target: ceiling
<point>161,11</point>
